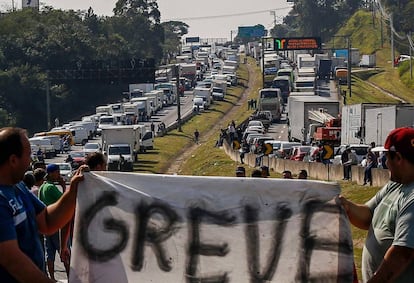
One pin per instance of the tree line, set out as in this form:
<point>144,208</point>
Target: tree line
<point>32,42</point>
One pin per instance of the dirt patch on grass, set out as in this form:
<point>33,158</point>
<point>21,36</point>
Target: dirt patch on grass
<point>187,152</point>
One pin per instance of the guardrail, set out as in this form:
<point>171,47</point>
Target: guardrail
<point>316,170</point>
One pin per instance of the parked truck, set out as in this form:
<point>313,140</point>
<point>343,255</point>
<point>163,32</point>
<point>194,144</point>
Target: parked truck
<point>149,107</point>
<point>380,121</point>
<point>134,111</point>
<point>136,137</point>
<point>368,61</point>
<point>270,99</point>
<point>189,71</point>
<point>323,71</point>
<point>298,110</point>
<point>170,92</point>
<point>354,122</point>
<point>204,93</point>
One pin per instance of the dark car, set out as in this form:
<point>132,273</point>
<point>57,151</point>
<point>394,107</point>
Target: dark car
<point>76,158</point>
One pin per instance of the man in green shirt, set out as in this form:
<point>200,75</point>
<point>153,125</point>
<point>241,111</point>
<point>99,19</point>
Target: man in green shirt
<point>49,193</point>
<point>388,254</point>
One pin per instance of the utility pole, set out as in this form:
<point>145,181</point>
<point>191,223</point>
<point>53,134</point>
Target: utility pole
<point>392,42</point>
<point>177,74</point>
<point>273,13</point>
<point>263,70</point>
<point>48,105</point>
<point>349,65</point>
<point>411,59</point>
<point>382,32</point>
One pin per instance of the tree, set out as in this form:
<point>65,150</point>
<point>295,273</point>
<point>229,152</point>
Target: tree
<point>173,32</point>
<point>131,8</point>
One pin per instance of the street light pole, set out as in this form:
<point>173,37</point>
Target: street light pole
<point>263,69</point>
<point>48,104</point>
<point>349,66</point>
<point>177,73</point>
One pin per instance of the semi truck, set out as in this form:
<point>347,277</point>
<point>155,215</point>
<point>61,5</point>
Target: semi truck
<point>270,99</point>
<point>298,114</point>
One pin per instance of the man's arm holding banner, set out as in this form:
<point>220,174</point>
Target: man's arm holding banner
<point>159,228</point>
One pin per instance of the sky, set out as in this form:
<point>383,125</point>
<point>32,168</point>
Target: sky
<point>206,18</point>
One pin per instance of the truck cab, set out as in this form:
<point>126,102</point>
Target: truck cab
<point>120,157</point>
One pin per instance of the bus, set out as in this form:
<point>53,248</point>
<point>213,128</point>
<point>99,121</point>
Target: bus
<point>270,99</point>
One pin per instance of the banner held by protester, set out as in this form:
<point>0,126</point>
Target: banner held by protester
<point>164,228</point>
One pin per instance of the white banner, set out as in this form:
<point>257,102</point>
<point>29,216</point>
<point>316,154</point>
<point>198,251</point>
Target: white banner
<point>164,228</point>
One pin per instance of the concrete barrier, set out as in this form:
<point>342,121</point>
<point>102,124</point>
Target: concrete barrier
<point>316,170</point>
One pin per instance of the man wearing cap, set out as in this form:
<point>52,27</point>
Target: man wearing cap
<point>49,193</point>
<point>388,254</point>
<point>22,215</point>
<point>240,171</point>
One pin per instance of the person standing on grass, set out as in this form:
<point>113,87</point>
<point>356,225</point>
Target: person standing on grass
<point>388,254</point>
<point>196,136</point>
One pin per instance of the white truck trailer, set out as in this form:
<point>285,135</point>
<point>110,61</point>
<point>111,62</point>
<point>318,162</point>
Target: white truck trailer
<point>149,107</point>
<point>380,121</point>
<point>298,114</point>
<point>353,118</point>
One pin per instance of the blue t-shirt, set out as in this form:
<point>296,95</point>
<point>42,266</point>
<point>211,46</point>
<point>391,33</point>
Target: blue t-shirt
<point>18,210</point>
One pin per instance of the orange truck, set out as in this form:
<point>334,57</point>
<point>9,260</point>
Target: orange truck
<point>342,76</point>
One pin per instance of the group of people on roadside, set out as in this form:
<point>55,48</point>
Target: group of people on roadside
<point>388,254</point>
<point>263,172</point>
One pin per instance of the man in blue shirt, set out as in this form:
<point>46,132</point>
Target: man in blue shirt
<point>22,215</point>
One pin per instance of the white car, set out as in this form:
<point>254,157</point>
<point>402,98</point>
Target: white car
<point>92,147</point>
<point>66,171</point>
<point>360,151</point>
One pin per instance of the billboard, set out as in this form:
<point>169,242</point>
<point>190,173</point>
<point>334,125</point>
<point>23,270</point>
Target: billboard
<point>192,39</point>
<point>30,4</point>
<point>297,43</point>
<point>251,31</point>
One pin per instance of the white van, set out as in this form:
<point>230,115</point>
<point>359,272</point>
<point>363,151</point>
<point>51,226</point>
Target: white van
<point>80,134</point>
<point>44,144</point>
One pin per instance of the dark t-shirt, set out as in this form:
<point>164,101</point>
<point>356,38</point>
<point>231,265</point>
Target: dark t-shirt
<point>18,210</point>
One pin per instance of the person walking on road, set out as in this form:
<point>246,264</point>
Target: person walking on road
<point>346,163</point>
<point>196,136</point>
<point>388,254</point>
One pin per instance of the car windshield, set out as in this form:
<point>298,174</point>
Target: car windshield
<point>360,150</point>
<point>91,146</point>
<point>77,154</point>
<point>116,150</point>
<point>268,94</point>
<point>64,167</point>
